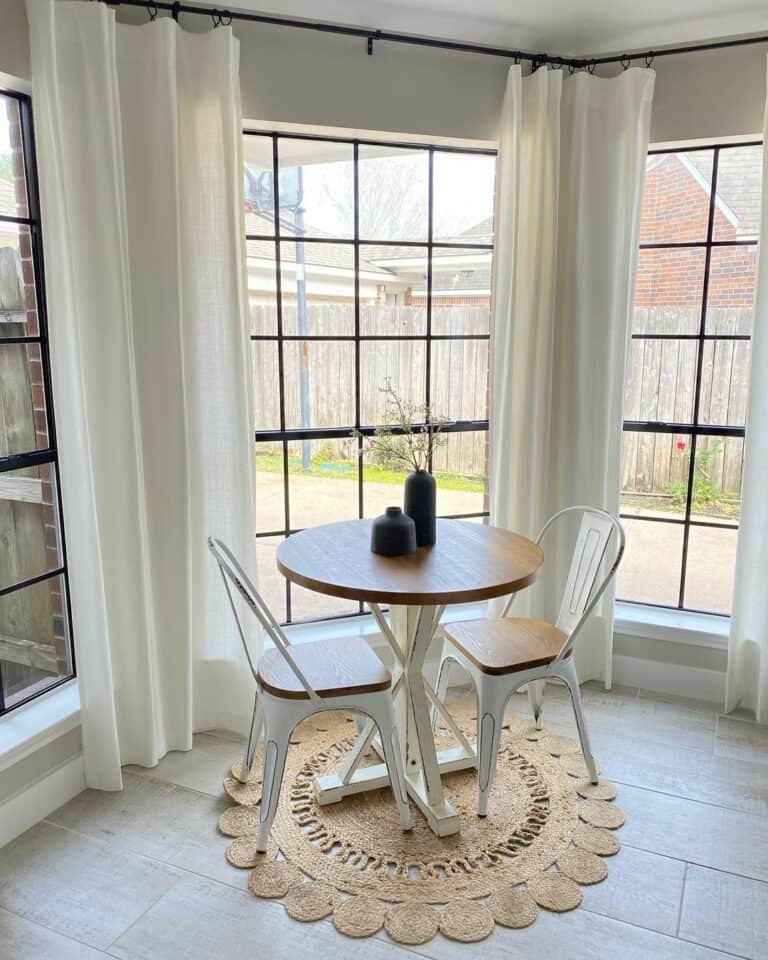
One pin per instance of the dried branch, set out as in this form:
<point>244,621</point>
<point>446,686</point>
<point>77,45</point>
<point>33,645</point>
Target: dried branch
<point>407,445</point>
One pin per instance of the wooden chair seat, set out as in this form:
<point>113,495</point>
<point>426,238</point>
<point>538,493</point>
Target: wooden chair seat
<point>507,645</point>
<point>335,668</point>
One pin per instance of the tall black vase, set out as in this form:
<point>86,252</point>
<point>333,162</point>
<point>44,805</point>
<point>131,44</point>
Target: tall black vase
<point>420,505</point>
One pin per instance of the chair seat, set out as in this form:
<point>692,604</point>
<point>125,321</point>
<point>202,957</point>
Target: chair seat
<point>507,645</point>
<point>334,668</point>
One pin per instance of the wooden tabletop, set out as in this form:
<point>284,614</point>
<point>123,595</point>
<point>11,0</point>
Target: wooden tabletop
<point>470,561</point>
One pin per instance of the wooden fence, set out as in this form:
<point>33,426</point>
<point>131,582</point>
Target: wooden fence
<point>661,375</point>
<point>660,383</point>
<point>459,373</point>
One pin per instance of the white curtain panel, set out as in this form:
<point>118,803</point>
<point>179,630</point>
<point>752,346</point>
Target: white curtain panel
<point>747,681</point>
<point>139,145</point>
<point>572,156</point>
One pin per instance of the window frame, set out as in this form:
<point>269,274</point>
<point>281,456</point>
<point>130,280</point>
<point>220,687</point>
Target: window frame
<point>285,435</point>
<point>694,429</point>
<point>48,456</point>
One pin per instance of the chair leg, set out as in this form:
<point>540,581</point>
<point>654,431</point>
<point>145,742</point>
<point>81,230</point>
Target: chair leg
<point>275,752</point>
<point>254,734</point>
<point>490,719</point>
<point>568,674</point>
<point>536,699</point>
<point>385,721</point>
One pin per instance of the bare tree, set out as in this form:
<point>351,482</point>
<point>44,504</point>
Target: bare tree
<point>392,198</point>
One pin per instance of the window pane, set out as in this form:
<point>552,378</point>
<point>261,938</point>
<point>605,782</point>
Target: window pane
<point>463,197</point>
<point>266,393</point>
<point>323,481</point>
<point>459,374</point>
<point>319,383</point>
<point>737,214</point>
<point>668,291</point>
<point>258,185</point>
<point>660,380</point>
<point>654,473</point>
<point>270,493</point>
<point>317,191</point>
<point>393,193</point>
<point>318,288</point>
<point>35,652</point>
<point>383,484</point>
<point>308,605</point>
<point>401,363</point>
<point>676,197</point>
<point>262,287</point>
<point>13,193</point>
<point>725,382</point>
<point>271,582</point>
<point>710,569</point>
<point>461,291</point>
<point>18,304</point>
<point>29,521</point>
<point>23,425</point>
<point>650,569</point>
<point>716,495</point>
<point>393,291</point>
<point>731,293</point>
<point>460,466</point>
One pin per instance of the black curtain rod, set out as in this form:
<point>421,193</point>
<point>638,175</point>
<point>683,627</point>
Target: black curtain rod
<point>225,17</point>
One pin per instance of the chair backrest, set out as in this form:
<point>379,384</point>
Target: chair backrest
<point>233,573</point>
<point>582,591</point>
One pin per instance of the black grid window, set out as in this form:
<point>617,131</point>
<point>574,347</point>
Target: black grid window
<point>35,628</point>
<point>368,262</point>
<point>688,376</point>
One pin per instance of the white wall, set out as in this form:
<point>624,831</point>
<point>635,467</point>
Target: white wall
<point>299,76</point>
<point>14,39</point>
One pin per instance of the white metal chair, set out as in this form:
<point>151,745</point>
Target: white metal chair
<point>505,654</point>
<point>294,682</point>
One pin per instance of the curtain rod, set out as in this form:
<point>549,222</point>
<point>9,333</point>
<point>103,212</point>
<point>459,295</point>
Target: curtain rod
<point>225,17</point>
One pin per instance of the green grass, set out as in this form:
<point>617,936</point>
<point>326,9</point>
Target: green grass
<point>347,470</point>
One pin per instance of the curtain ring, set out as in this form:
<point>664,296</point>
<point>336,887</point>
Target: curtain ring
<point>625,62</point>
<point>225,19</point>
<point>649,59</point>
<point>517,59</point>
<point>571,69</point>
<point>175,10</point>
<point>152,11</point>
<point>591,66</point>
<point>216,18</point>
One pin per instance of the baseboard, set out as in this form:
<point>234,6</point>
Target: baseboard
<point>699,683</point>
<point>678,679</point>
<point>32,804</point>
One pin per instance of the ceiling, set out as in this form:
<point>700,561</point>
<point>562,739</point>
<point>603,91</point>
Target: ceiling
<point>583,27</point>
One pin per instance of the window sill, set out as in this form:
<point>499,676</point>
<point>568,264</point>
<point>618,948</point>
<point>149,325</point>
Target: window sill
<point>366,626</point>
<point>675,626</point>
<point>37,723</point>
<point>631,619</point>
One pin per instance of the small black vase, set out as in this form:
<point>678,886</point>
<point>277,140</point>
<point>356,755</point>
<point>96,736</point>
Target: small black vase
<point>420,505</point>
<point>393,534</point>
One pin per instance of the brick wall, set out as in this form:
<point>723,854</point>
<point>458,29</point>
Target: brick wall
<point>49,508</point>
<point>675,208</point>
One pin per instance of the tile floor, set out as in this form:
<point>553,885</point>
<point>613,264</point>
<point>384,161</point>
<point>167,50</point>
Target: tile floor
<point>142,874</point>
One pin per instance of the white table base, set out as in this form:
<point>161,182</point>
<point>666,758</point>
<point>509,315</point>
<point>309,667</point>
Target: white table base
<point>412,629</point>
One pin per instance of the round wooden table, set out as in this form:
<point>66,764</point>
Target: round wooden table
<point>469,562</point>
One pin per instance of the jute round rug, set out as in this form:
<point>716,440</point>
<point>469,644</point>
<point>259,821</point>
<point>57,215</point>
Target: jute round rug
<point>545,834</point>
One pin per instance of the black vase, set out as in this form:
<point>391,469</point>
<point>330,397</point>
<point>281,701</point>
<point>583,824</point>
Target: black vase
<point>393,534</point>
<point>420,505</point>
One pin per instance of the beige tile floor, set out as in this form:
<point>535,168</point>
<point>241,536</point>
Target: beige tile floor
<point>141,874</point>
